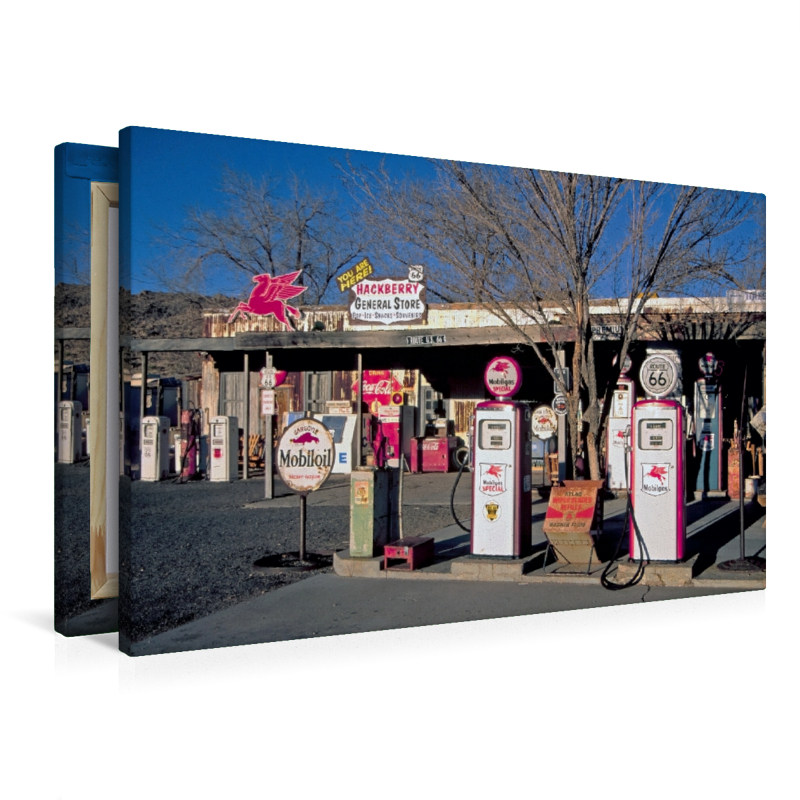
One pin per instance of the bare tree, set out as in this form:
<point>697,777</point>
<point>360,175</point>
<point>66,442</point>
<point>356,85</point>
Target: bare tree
<point>260,229</point>
<point>534,247</point>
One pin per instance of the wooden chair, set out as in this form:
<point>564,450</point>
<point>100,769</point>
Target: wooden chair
<point>255,451</point>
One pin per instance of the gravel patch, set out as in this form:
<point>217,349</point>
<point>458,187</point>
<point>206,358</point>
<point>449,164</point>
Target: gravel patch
<point>192,547</point>
<point>73,580</point>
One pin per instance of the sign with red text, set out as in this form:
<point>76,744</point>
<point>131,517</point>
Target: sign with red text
<point>568,522</point>
<point>305,455</point>
<point>378,387</point>
<point>544,422</point>
<point>387,301</point>
<point>267,402</point>
<point>503,376</point>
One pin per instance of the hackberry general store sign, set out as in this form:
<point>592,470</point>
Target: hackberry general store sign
<point>387,301</point>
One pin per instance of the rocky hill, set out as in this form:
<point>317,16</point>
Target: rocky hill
<point>163,315</point>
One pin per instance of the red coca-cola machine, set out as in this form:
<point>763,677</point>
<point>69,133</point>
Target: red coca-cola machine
<point>392,426</point>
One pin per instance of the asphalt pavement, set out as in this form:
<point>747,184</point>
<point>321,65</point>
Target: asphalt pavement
<point>330,604</point>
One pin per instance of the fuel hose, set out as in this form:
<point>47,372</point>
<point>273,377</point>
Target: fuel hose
<point>605,581</point>
<point>453,496</point>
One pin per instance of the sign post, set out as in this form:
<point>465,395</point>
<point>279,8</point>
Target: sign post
<point>305,460</point>
<point>561,433</point>
<point>268,381</point>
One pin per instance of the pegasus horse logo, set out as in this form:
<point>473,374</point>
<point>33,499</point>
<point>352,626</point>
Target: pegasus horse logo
<point>658,473</point>
<point>270,296</point>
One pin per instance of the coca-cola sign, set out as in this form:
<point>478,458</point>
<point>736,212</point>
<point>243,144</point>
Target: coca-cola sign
<point>377,388</point>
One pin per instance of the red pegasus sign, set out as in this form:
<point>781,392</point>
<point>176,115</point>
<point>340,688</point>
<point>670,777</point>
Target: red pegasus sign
<point>270,296</point>
<point>655,479</point>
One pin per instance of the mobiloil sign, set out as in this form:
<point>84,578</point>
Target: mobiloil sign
<point>501,483</point>
<point>305,455</point>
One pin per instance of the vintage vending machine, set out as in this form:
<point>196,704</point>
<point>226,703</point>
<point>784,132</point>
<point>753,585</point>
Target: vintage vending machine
<point>155,448</point>
<point>224,446</point>
<point>394,433</point>
<point>69,431</point>
<point>501,480</point>
<point>708,427</point>
<point>617,434</point>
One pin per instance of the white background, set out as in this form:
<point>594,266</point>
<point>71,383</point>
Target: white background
<point>696,698</point>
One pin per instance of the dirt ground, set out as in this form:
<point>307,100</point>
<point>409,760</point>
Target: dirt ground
<point>192,546</point>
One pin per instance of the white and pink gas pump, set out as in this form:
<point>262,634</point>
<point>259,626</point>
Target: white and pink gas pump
<point>69,432</point>
<point>658,518</point>
<point>501,480</point>
<point>224,466</point>
<point>155,448</point>
<point>619,421</point>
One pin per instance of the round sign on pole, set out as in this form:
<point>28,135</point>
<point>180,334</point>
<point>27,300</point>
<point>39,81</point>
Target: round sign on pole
<point>269,377</point>
<point>305,455</point>
<point>658,376</point>
<point>543,422</point>
<point>503,376</point>
<point>626,364</point>
<point>560,405</point>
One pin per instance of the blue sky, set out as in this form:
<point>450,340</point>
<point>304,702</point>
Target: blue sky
<point>174,170</point>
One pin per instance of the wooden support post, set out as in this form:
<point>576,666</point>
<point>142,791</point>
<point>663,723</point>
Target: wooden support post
<point>143,392</point>
<point>246,422</point>
<point>60,371</point>
<point>269,484</point>
<point>359,420</point>
<point>562,428</point>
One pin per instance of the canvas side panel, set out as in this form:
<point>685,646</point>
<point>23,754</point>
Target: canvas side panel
<point>76,168</point>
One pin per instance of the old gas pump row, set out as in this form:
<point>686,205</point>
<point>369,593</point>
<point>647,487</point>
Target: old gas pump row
<point>644,457</point>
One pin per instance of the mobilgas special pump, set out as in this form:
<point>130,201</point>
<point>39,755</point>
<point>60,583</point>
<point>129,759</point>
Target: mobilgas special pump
<point>501,481</point>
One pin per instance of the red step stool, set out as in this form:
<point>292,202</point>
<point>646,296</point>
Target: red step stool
<point>415,551</point>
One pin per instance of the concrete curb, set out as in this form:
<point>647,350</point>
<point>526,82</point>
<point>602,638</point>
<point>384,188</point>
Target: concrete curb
<point>529,570</point>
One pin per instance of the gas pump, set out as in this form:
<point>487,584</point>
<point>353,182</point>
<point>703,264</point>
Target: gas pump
<point>69,431</point>
<point>619,420</point>
<point>501,482</point>
<point>155,448</point>
<point>708,426</point>
<point>658,522</point>
<point>224,450</point>
<point>187,444</point>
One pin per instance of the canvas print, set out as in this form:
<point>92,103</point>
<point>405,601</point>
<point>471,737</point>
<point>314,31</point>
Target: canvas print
<point>86,377</point>
<point>367,391</point>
